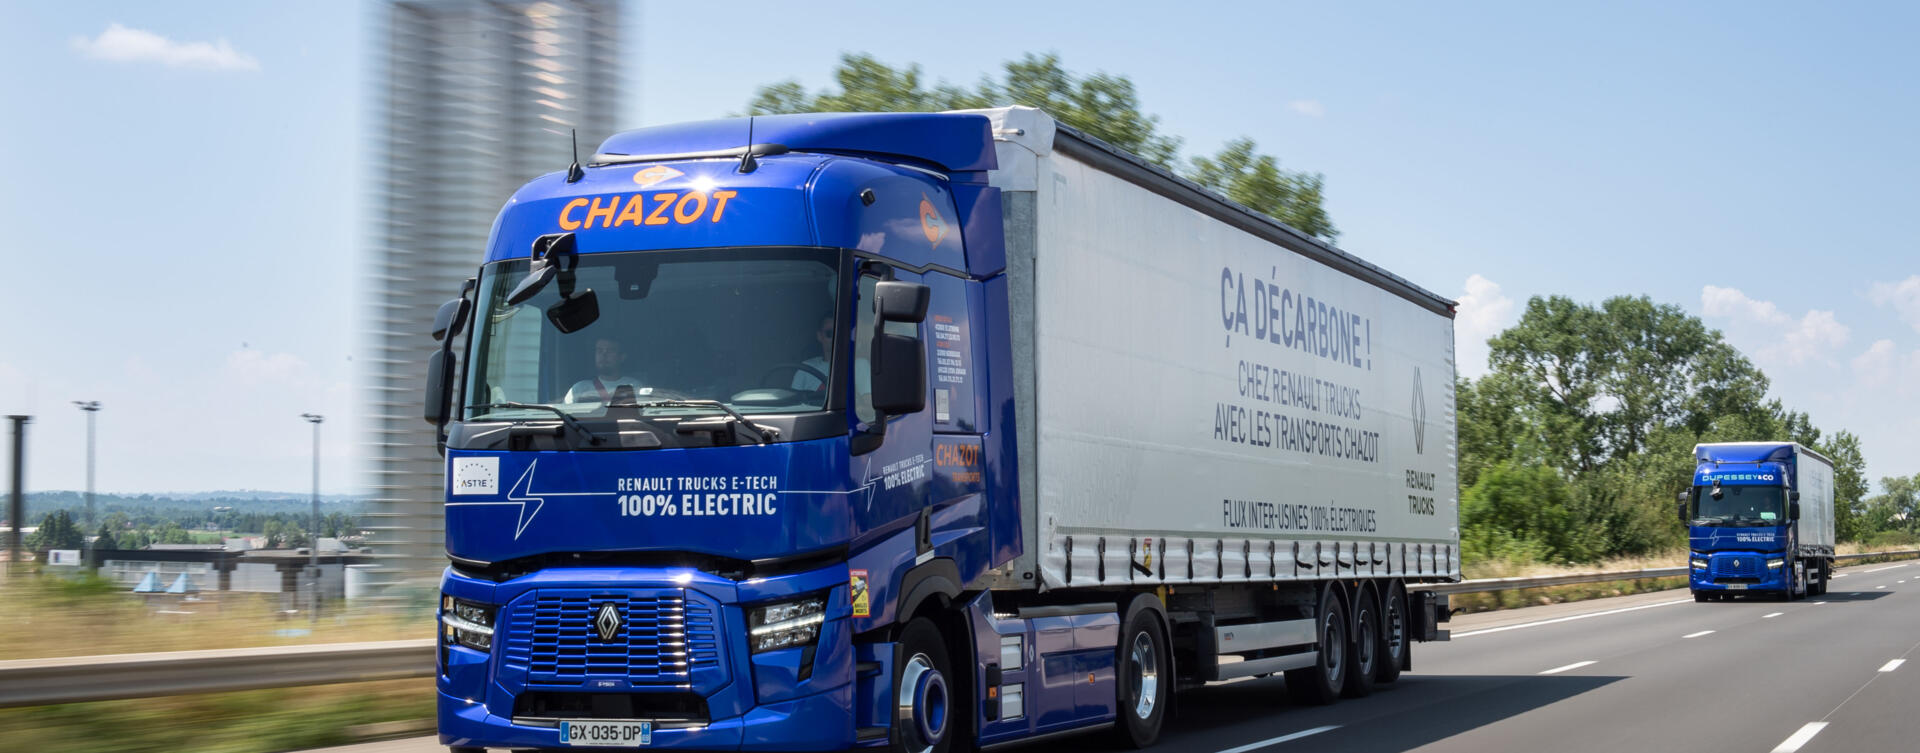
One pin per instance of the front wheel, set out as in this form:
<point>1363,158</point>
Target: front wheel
<point>1143,682</point>
<point>924,704</point>
<point>1322,683</point>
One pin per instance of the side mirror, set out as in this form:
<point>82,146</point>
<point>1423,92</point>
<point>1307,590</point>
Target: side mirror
<point>1793,511</point>
<point>451,317</point>
<point>439,401</point>
<point>901,301</point>
<point>899,360</point>
<point>1793,496</point>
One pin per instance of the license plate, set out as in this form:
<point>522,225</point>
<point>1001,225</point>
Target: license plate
<point>607,734</point>
<point>1736,586</point>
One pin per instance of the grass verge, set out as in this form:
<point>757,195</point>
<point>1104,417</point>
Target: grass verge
<point>254,721</point>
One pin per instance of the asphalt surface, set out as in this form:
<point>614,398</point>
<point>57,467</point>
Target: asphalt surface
<point>1650,672</point>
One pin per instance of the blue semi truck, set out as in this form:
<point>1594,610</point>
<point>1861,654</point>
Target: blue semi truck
<point>1759,521</point>
<point>924,432</point>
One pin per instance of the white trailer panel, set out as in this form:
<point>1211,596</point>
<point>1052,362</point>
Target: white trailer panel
<point>1210,404</point>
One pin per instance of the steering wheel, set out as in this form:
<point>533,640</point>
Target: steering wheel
<point>789,369</point>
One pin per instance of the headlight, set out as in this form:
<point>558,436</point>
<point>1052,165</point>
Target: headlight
<point>1775,564</point>
<point>466,623</point>
<point>1699,564</point>
<point>787,624</point>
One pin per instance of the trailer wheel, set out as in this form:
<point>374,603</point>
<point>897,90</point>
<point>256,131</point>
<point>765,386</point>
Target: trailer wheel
<point>1321,683</point>
<point>1395,649</point>
<point>1363,658</point>
<point>1143,681</point>
<point>924,708</point>
<point>1822,574</point>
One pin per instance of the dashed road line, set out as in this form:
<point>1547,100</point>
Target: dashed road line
<point>1770,616</point>
<point>1892,665</point>
<point>1696,635</point>
<point>1800,738</point>
<point>1568,668</point>
<point>1504,628</point>
<point>1281,739</point>
<point>1878,569</point>
<point>1883,585</point>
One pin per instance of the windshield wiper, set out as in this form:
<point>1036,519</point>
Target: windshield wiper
<point>565,418</point>
<point>765,434</point>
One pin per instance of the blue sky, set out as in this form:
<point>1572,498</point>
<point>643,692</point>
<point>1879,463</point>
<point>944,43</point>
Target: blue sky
<point>185,183</point>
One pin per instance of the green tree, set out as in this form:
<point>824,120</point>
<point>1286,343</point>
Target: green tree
<point>56,531</point>
<point>1102,105</point>
<point>170,532</point>
<point>1849,486</point>
<point>1604,378</point>
<point>105,540</point>
<point>1256,180</point>
<point>1523,512</point>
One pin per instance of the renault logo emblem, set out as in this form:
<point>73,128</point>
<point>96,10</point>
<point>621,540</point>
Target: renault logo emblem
<point>607,622</point>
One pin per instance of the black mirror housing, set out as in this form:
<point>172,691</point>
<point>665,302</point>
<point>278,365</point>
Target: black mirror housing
<point>899,374</point>
<point>439,403</point>
<point>901,301</point>
<point>1793,511</point>
<point>451,318</point>
<point>1793,496</point>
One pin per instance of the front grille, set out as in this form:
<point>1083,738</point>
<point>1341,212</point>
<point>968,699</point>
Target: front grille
<point>663,637</point>
<point>1743,566</point>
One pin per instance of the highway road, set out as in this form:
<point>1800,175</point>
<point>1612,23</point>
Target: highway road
<point>1650,672</point>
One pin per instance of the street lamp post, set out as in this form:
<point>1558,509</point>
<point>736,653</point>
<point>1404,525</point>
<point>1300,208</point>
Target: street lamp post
<point>313,534</point>
<point>91,407</point>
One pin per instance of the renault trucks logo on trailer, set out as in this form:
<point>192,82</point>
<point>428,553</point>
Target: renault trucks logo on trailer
<point>607,623</point>
<point>1419,416</point>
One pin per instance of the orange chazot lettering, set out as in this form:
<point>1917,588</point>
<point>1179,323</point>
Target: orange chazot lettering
<point>661,208</point>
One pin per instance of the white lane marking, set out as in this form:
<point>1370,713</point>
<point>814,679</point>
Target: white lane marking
<point>1770,616</point>
<point>1880,586</point>
<point>1800,738</point>
<point>1696,635</point>
<point>1569,619</point>
<point>1569,667</point>
<point>1892,665</point>
<point>1842,575</point>
<point>1281,739</point>
<point>1878,569</point>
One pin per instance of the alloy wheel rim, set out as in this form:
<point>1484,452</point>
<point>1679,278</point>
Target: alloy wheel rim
<point>1146,676</point>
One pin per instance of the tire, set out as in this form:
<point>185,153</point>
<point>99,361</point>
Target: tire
<point>1701,597</point>
<point>926,712</point>
<point>1322,683</point>
<point>1143,680</point>
<point>1396,645</point>
<point>1363,652</point>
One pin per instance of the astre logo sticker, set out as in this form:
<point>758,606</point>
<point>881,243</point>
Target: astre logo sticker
<point>646,178</point>
<point>931,222</point>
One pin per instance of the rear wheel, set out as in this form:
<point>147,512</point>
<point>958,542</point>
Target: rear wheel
<point>1364,655</point>
<point>924,703</point>
<point>1395,648</point>
<point>1322,683</point>
<point>1143,681</point>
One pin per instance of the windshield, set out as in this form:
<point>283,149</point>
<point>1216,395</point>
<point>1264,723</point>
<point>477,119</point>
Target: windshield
<point>1739,505</point>
<point>751,328</point>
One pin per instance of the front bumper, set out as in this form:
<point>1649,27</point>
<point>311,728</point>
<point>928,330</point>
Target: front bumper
<point>1734,572</point>
<point>686,638</point>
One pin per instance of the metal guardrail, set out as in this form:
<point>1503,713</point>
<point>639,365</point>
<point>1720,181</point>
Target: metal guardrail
<point>37,682</point>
